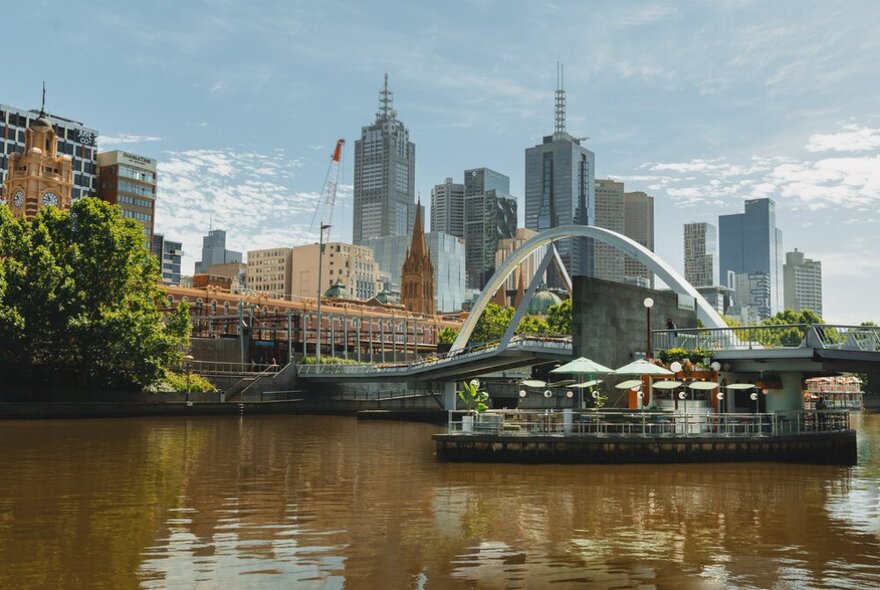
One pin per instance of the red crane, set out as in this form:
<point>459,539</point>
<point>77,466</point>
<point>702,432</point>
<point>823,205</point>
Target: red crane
<point>324,209</point>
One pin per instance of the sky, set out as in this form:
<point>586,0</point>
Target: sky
<point>701,104</point>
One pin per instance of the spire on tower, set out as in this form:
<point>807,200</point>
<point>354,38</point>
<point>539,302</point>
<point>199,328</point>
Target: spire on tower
<point>560,99</point>
<point>386,98</point>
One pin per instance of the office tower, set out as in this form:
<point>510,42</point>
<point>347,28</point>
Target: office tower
<point>351,266</point>
<point>38,177</point>
<point>751,244</point>
<point>269,272</point>
<point>168,253</point>
<point>129,180</point>
<point>384,175</point>
<point>214,251</point>
<point>417,274</point>
<point>700,258</point>
<point>72,139</point>
<point>490,215</point>
<point>802,281</point>
<point>609,261</point>
<point>638,224</point>
<point>447,208</point>
<point>234,272</point>
<point>447,257</point>
<point>560,190</point>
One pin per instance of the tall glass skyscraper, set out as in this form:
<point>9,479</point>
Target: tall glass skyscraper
<point>560,190</point>
<point>489,216</point>
<point>750,244</point>
<point>384,176</point>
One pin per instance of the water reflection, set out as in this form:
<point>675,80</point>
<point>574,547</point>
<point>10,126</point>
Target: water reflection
<point>329,502</point>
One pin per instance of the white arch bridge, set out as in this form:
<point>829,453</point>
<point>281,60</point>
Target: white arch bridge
<point>513,351</point>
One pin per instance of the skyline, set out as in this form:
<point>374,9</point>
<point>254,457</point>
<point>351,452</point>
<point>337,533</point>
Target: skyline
<point>242,110</point>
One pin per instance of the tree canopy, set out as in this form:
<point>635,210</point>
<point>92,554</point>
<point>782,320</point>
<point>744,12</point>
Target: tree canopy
<point>79,300</point>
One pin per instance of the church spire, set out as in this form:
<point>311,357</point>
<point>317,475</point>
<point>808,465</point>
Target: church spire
<point>418,247</point>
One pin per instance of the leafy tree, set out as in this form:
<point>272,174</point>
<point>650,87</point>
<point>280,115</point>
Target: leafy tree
<point>79,298</point>
<point>492,323</point>
<point>559,318</point>
<point>447,335</point>
<point>532,324</point>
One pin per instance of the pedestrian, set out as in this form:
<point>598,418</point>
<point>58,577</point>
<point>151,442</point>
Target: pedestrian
<point>670,325</point>
<point>821,406</point>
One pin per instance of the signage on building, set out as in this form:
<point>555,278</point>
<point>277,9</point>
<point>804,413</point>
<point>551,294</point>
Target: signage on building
<point>136,160</point>
<point>686,302</point>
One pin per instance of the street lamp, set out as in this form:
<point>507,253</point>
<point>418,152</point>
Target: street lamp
<point>649,303</point>
<point>187,361</point>
<point>320,268</point>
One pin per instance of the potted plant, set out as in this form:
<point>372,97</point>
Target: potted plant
<point>474,402</point>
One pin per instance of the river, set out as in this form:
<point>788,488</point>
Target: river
<point>331,502</point>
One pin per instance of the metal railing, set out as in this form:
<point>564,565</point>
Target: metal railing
<point>840,337</point>
<point>224,368</point>
<point>648,424</point>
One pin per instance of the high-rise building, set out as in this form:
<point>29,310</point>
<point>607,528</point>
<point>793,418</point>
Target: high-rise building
<point>700,254</point>
<point>751,244</point>
<point>417,274</point>
<point>609,261</point>
<point>169,254</point>
<point>560,190</point>
<point>269,272</point>
<point>38,177</point>
<point>384,176</point>
<point>447,257</point>
<point>214,251</point>
<point>638,224</point>
<point>447,208</point>
<point>350,266</point>
<point>489,216</point>
<point>802,280</point>
<point>527,267</point>
<point>129,180</point>
<point>73,139</point>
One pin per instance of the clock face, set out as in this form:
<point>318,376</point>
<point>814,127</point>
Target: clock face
<point>86,138</point>
<point>18,198</point>
<point>50,200</point>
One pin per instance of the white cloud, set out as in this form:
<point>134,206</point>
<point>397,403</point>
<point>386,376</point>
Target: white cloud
<point>852,139</point>
<point>125,139</point>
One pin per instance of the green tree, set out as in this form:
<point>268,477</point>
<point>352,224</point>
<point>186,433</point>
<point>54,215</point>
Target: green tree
<point>492,323</point>
<point>447,335</point>
<point>79,298</point>
<point>559,318</point>
<point>532,324</point>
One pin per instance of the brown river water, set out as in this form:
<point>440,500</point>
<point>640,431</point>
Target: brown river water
<point>331,502</point>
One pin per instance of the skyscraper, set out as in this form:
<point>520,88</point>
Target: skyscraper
<point>447,208</point>
<point>802,280</point>
<point>489,216</point>
<point>638,224</point>
<point>129,180</point>
<point>214,251</point>
<point>168,254</point>
<point>560,190</point>
<point>609,261</point>
<point>750,244</point>
<point>700,254</point>
<point>384,175</point>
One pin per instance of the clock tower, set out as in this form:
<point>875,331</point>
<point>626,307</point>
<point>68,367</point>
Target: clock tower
<point>39,177</point>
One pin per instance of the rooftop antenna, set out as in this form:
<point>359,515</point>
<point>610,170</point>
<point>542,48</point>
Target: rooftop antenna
<point>560,98</point>
<point>386,97</point>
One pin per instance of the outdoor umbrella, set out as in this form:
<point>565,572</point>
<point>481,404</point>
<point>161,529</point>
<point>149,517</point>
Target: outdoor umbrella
<point>629,384</point>
<point>642,367</point>
<point>666,384</point>
<point>581,366</point>
<point>533,383</point>
<point>740,386</point>
<point>589,383</point>
<point>703,385</point>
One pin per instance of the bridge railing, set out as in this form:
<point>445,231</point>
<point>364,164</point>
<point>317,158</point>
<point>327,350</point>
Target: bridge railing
<point>646,423</point>
<point>225,368</point>
<point>864,338</point>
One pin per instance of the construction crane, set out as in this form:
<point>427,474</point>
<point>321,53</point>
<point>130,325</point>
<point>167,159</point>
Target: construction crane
<point>324,209</point>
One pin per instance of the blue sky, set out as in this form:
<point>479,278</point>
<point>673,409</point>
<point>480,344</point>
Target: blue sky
<point>702,104</point>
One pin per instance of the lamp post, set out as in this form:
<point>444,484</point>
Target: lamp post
<point>320,268</point>
<point>649,303</point>
<point>187,360</point>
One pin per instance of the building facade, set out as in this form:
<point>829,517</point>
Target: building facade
<point>214,251</point>
<point>609,261</point>
<point>560,190</point>
<point>700,254</point>
<point>417,274</point>
<point>447,208</point>
<point>751,244</point>
<point>527,268</point>
<point>129,180</point>
<point>38,177</point>
<point>269,271</point>
<point>638,224</point>
<point>384,176</point>
<point>350,265</point>
<point>169,255</point>
<point>73,140</point>
<point>490,216</point>
<point>802,280</point>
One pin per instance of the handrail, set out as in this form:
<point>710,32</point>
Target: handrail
<point>792,336</point>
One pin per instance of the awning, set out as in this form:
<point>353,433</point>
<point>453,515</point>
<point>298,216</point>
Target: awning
<point>666,384</point>
<point>703,385</point>
<point>628,384</point>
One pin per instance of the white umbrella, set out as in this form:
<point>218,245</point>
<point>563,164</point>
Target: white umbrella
<point>740,386</point>
<point>533,383</point>
<point>628,384</point>
<point>581,366</point>
<point>590,383</point>
<point>666,384</point>
<point>704,385</point>
<point>642,367</point>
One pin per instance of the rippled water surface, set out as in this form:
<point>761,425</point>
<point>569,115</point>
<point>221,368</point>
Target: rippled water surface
<point>330,502</point>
